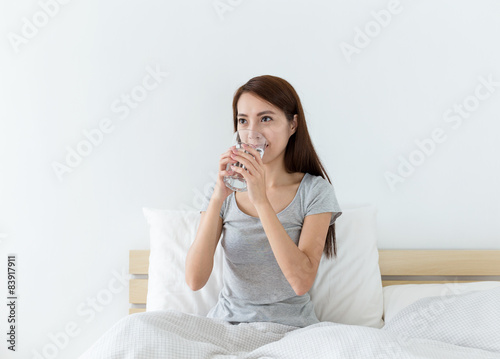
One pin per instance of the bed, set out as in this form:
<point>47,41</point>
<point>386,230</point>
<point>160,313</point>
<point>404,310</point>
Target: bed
<point>372,303</point>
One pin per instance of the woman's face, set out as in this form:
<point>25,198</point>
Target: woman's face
<point>258,115</point>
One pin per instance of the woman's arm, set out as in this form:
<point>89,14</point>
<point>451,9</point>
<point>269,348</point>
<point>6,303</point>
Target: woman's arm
<point>298,264</point>
<point>200,257</point>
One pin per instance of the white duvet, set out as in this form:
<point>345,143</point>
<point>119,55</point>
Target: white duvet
<point>459,326</point>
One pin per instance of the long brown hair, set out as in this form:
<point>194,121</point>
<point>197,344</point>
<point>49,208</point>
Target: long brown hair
<point>300,155</point>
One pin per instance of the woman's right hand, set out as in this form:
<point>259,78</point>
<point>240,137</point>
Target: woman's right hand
<point>221,191</point>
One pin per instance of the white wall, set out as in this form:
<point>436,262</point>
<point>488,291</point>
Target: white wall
<point>364,112</point>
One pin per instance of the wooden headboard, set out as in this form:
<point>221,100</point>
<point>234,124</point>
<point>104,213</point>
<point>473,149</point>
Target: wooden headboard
<point>396,267</point>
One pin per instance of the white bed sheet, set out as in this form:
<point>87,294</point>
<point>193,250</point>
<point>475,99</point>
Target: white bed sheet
<point>173,334</point>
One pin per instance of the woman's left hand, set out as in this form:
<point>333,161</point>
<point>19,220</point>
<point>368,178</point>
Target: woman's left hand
<point>254,174</point>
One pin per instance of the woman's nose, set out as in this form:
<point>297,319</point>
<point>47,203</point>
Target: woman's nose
<point>256,133</point>
<point>254,139</point>
<point>254,128</point>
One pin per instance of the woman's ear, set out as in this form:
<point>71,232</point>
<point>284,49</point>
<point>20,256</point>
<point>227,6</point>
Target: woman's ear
<point>293,125</point>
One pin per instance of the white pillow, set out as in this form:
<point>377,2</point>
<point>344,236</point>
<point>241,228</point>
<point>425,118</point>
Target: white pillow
<point>398,297</point>
<point>171,235</point>
<point>348,289</point>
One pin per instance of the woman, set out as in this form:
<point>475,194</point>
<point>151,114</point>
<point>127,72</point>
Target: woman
<point>276,232</point>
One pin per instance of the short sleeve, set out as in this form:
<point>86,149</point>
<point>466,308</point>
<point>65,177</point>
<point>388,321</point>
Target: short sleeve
<point>207,194</point>
<point>321,198</point>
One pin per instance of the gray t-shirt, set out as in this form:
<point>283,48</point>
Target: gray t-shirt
<point>255,289</point>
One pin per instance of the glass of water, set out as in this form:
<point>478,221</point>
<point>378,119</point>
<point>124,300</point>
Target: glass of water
<point>255,139</point>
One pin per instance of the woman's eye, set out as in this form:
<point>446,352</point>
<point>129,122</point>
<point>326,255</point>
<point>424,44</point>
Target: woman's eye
<point>242,119</point>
